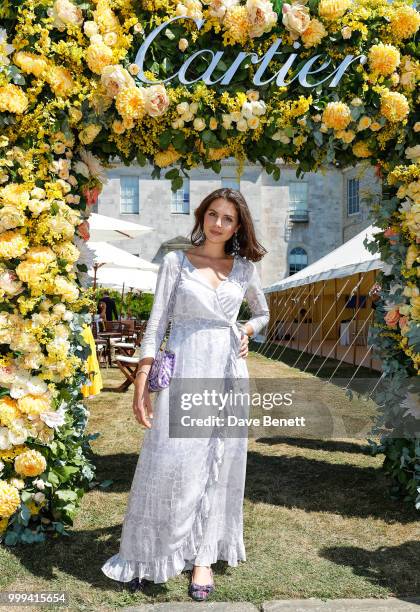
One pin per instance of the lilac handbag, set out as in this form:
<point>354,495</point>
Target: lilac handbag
<point>163,366</point>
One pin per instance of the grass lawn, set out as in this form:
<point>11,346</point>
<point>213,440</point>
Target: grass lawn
<point>318,520</point>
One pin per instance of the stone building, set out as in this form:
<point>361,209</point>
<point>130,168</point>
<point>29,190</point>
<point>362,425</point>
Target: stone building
<point>296,220</point>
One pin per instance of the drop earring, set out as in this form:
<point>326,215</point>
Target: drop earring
<point>235,244</point>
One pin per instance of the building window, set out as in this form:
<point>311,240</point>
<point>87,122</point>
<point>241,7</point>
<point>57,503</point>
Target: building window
<point>298,201</point>
<point>231,182</point>
<point>129,194</point>
<point>298,259</point>
<point>352,196</point>
<point>180,201</point>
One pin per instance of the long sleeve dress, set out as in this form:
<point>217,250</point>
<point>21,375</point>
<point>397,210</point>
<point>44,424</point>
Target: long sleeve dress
<point>185,506</point>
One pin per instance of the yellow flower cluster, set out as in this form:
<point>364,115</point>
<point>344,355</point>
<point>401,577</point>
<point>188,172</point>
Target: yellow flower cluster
<point>30,463</point>
<point>9,499</point>
<point>336,115</point>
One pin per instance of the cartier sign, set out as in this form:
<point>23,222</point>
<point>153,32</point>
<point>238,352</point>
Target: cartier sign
<point>333,73</point>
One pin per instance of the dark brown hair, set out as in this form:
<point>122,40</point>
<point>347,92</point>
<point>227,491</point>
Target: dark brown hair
<point>249,246</point>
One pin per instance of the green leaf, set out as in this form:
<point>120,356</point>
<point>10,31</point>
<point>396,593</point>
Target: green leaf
<point>172,174</point>
<point>177,183</point>
<point>165,139</point>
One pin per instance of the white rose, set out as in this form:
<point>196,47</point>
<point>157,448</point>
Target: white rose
<point>218,8</point>
<point>40,484</point>
<point>413,153</point>
<point>114,78</point>
<point>110,38</point>
<point>5,443</point>
<point>193,107</point>
<point>190,8</point>
<point>39,497</point>
<point>97,39</point>
<point>242,125</point>
<point>157,100</point>
<point>37,192</point>
<point>90,28</point>
<point>258,107</point>
<point>295,18</point>
<point>261,17</point>
<point>133,69</point>
<point>253,123</point>
<point>66,12</point>
<point>246,110</point>
<point>227,121</point>
<point>1,466</point>
<point>253,95</point>
<point>199,124</point>
<point>187,117</point>
<point>182,107</point>
<point>236,116</point>
<point>356,102</point>
<point>183,44</point>
<point>346,32</point>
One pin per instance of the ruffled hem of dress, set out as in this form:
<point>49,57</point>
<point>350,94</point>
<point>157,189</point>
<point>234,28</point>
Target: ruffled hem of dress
<point>162,569</point>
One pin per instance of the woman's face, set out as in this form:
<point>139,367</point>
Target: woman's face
<point>220,221</point>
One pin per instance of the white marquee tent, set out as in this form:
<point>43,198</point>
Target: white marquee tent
<point>349,258</point>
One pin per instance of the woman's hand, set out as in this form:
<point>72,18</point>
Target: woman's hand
<point>142,404</point>
<point>243,351</point>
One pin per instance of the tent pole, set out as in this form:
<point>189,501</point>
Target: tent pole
<point>335,317</point>
<point>356,317</point>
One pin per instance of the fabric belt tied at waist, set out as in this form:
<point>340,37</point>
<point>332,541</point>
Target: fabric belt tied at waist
<point>231,370</point>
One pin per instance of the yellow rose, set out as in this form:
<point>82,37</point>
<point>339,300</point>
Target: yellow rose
<point>30,463</point>
<point>384,59</point>
<point>405,21</point>
<point>98,57</point>
<point>60,80</point>
<point>166,158</point>
<point>8,411</point>
<point>13,99</point>
<point>394,106</point>
<point>333,9</point>
<point>313,34</point>
<point>118,127</point>
<point>411,257</point>
<point>336,115</point>
<point>361,149</point>
<point>89,133</point>
<point>30,63</point>
<point>12,244</point>
<point>364,123</point>
<point>9,499</point>
<point>236,23</point>
<point>130,102</point>
<point>40,254</point>
<point>33,406</point>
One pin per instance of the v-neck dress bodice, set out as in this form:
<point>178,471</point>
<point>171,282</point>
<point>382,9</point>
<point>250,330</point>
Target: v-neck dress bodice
<point>185,506</point>
<point>204,325</point>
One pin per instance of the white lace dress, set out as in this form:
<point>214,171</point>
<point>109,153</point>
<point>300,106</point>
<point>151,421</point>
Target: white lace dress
<point>186,501</point>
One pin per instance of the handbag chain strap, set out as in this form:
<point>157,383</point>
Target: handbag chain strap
<point>174,288</point>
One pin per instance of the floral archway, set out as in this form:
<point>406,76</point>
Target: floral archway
<point>179,84</point>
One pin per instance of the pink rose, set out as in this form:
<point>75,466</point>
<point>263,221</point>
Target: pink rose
<point>392,317</point>
<point>403,322</point>
<point>83,230</point>
<point>91,195</point>
<point>391,233</point>
<point>157,100</point>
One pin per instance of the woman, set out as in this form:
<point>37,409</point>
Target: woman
<point>186,501</point>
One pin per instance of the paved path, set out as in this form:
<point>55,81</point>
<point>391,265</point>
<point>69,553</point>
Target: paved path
<point>390,604</point>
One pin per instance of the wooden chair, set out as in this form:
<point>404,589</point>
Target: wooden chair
<point>129,367</point>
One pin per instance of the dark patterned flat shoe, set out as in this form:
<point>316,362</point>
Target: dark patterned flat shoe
<point>200,592</point>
